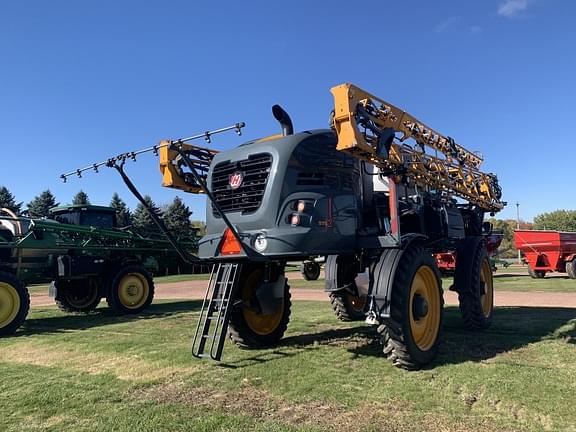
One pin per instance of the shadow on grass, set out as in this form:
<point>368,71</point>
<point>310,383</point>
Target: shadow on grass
<point>102,317</point>
<point>512,328</point>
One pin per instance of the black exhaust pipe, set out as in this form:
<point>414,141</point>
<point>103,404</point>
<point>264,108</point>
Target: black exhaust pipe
<point>284,120</point>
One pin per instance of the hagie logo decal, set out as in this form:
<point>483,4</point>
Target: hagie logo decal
<point>235,180</point>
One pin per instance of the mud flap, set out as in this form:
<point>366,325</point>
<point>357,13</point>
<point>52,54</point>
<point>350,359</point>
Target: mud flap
<point>270,295</point>
<point>382,277</point>
<point>381,281</point>
<point>335,280</point>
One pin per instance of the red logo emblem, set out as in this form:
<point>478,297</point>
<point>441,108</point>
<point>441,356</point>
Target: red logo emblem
<point>235,180</point>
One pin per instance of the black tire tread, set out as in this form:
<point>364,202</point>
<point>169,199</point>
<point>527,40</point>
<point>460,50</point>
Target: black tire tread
<point>470,255</point>
<point>343,309</point>
<point>65,306</point>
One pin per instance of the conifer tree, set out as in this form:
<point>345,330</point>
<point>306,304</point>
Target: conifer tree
<point>80,198</point>
<point>8,201</point>
<point>123,215</point>
<point>141,219</point>
<point>177,219</point>
<point>40,205</point>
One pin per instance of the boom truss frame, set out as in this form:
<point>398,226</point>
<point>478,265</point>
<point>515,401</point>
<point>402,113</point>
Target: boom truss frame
<point>366,127</point>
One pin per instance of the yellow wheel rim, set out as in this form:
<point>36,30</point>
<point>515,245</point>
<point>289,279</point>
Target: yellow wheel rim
<point>424,308</point>
<point>358,303</point>
<point>9,304</point>
<point>487,297</point>
<point>133,290</point>
<point>259,323</point>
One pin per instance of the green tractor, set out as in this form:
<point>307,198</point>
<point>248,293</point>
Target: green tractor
<point>80,251</point>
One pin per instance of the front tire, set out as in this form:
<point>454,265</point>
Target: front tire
<point>249,328</point>
<point>474,283</point>
<point>411,336</point>
<point>131,290</point>
<point>77,296</point>
<point>14,303</point>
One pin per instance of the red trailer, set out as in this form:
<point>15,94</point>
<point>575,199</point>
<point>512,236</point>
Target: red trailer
<point>547,251</point>
<point>447,260</point>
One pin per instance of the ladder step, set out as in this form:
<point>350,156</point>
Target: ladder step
<point>220,291</point>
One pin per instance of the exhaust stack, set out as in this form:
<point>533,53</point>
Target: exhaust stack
<point>284,120</point>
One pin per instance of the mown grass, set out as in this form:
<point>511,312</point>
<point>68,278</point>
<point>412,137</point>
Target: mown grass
<point>102,372</point>
<point>551,283</point>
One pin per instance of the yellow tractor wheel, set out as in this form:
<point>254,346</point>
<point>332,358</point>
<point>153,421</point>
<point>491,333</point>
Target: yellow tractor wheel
<point>14,303</point>
<point>131,290</point>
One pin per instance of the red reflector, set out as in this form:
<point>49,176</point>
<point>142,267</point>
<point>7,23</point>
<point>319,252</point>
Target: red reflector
<point>229,245</point>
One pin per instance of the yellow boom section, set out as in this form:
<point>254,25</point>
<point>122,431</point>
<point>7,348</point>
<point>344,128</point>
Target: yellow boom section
<point>366,127</point>
<point>173,168</point>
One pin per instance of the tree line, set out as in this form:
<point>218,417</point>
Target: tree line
<point>175,215</point>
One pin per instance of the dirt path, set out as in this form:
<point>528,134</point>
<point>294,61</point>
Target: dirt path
<point>196,289</point>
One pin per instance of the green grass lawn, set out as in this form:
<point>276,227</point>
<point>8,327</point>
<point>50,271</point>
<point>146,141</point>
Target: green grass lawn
<point>101,372</point>
<point>554,283</point>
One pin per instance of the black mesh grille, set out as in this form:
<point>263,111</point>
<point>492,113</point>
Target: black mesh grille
<point>248,197</point>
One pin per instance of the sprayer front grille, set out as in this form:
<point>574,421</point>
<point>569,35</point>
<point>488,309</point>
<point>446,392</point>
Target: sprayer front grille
<point>246,197</point>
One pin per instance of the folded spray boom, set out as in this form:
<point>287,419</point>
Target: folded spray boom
<point>175,156</point>
<point>204,154</point>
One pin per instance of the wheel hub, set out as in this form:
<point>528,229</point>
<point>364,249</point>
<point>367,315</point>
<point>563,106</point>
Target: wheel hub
<point>419,307</point>
<point>132,290</point>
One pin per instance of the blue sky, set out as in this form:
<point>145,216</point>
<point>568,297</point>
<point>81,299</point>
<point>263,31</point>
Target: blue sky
<point>82,81</point>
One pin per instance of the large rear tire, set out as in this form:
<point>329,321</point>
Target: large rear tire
<point>474,283</point>
<point>80,296</point>
<point>249,327</point>
<point>411,336</point>
<point>14,303</point>
<point>131,290</point>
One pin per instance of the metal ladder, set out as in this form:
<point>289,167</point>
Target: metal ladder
<point>215,312</point>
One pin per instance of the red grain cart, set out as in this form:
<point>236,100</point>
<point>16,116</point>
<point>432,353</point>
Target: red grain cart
<point>447,260</point>
<point>547,251</point>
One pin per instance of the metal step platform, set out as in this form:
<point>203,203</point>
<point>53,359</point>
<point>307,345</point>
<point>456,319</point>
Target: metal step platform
<point>212,325</point>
